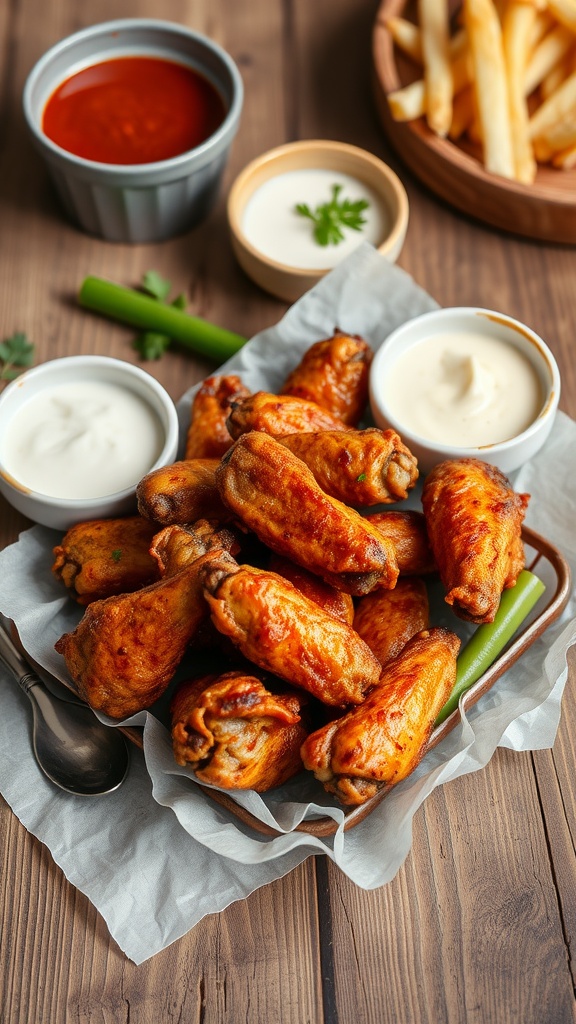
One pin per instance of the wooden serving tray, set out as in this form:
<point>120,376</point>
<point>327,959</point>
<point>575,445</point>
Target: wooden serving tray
<point>545,210</point>
<point>538,551</point>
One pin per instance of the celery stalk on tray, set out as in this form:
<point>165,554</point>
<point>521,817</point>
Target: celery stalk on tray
<point>139,310</point>
<point>489,640</point>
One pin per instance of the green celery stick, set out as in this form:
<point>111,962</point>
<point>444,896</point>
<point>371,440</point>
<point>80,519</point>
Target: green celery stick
<point>489,640</point>
<point>141,310</point>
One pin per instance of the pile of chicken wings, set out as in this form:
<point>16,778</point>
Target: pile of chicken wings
<point>260,546</point>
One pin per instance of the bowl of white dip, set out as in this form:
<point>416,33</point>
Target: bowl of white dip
<point>466,382</point>
<point>283,234</point>
<point>76,436</point>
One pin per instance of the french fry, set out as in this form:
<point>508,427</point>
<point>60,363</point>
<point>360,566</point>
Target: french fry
<point>408,38</point>
<point>552,48</point>
<point>560,106</point>
<point>565,12</point>
<point>437,69</point>
<point>410,102</point>
<point>558,137</point>
<point>558,74</point>
<point>463,112</point>
<point>490,82</point>
<point>566,159</point>
<point>518,20</point>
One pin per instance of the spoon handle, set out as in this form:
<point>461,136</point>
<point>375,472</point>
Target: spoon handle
<point>11,657</point>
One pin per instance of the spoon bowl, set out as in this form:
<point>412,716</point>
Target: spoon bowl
<point>72,747</point>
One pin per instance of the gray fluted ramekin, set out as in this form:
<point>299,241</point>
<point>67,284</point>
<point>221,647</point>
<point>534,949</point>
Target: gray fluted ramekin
<point>136,202</point>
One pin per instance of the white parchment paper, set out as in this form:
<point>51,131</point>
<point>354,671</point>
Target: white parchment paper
<point>158,855</point>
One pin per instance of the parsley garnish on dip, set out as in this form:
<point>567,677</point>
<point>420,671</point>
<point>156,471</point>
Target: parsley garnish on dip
<point>313,217</point>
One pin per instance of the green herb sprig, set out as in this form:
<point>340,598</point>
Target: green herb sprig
<point>16,354</point>
<point>151,344</point>
<point>329,218</point>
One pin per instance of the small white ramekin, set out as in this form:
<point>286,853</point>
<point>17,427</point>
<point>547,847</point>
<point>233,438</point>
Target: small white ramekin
<point>506,455</point>
<point>137,202</point>
<point>62,513</point>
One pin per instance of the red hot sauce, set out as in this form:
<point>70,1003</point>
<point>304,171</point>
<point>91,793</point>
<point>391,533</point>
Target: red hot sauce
<point>133,110</point>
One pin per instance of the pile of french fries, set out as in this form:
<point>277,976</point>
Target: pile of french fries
<point>505,78</point>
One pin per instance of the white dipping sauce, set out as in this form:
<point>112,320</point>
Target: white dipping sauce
<point>272,226</point>
<point>82,440</point>
<point>464,389</point>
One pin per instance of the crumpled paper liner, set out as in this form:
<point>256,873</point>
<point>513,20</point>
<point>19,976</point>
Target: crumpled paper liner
<point>158,855</point>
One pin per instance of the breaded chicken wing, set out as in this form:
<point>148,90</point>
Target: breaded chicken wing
<point>380,742</point>
<point>279,414</point>
<point>104,557</point>
<point>474,522</point>
<point>181,493</point>
<point>407,531</point>
<point>334,374</point>
<point>125,650</point>
<point>208,436</point>
<point>333,601</point>
<point>285,633</point>
<point>275,495</point>
<point>359,467</point>
<point>387,619</point>
<point>235,733</point>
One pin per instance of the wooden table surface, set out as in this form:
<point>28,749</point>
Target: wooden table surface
<point>479,924</point>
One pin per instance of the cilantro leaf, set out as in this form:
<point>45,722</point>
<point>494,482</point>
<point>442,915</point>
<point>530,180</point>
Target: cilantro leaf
<point>329,218</point>
<point>156,286</point>
<point>117,554</point>
<point>151,345</point>
<point>16,353</point>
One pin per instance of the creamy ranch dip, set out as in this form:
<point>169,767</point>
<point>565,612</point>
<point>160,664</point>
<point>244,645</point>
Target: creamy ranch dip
<point>272,226</point>
<point>82,440</point>
<point>464,389</point>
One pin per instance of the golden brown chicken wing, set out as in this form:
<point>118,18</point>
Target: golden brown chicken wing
<point>181,493</point>
<point>474,522</point>
<point>176,547</point>
<point>279,414</point>
<point>285,633</point>
<point>208,436</point>
<point>104,557</point>
<point>380,742</point>
<point>125,650</point>
<point>387,619</point>
<point>407,531</point>
<point>235,733</point>
<point>358,467</point>
<point>333,601</point>
<point>275,495</point>
<point>334,374</point>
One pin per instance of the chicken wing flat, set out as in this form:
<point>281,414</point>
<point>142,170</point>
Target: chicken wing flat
<point>407,531</point>
<point>181,493</point>
<point>279,414</point>
<point>279,629</point>
<point>125,650</point>
<point>333,601</point>
<point>208,436</point>
<point>387,619</point>
<point>274,494</point>
<point>358,467</point>
<point>380,742</point>
<point>334,374</point>
<point>104,557</point>
<point>235,733</point>
<point>474,522</point>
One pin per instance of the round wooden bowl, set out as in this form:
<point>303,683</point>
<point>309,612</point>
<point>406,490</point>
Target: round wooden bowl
<point>545,210</point>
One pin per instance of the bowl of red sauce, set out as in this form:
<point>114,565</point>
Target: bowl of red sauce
<point>135,119</point>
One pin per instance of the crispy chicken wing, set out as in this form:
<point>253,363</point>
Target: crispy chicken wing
<point>235,733</point>
<point>125,650</point>
<point>333,601</point>
<point>334,374</point>
<point>279,414</point>
<point>104,557</point>
<point>407,531</point>
<point>181,493</point>
<point>283,632</point>
<point>276,496</point>
<point>380,742</point>
<point>387,619</point>
<point>208,436</point>
<point>359,467</point>
<point>474,521</point>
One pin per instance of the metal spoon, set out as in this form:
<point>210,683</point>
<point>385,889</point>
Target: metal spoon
<point>72,747</point>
